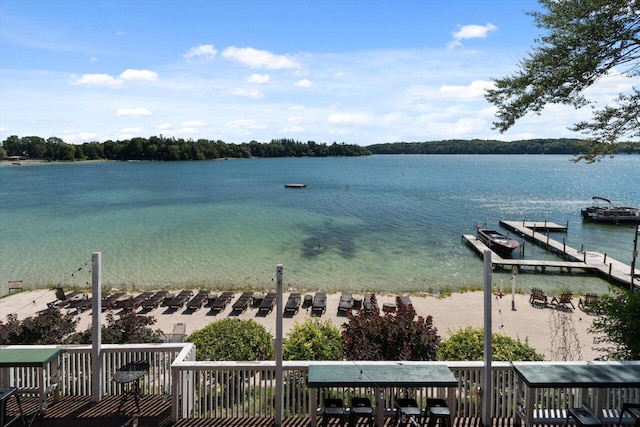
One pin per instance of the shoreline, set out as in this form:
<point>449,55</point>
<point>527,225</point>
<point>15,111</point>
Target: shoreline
<point>450,313</point>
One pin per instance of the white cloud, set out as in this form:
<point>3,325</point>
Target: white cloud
<point>474,90</point>
<point>293,129</point>
<point>349,119</point>
<point>303,83</point>
<point>296,108</point>
<point>165,126</point>
<point>244,124</point>
<point>128,133</point>
<point>103,80</point>
<point>204,52</point>
<point>194,123</point>
<point>133,112</point>
<point>466,32</point>
<point>139,75</point>
<point>258,78</point>
<point>79,137</point>
<point>249,93</point>
<point>255,58</point>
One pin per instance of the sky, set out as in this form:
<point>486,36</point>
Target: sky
<point>348,71</point>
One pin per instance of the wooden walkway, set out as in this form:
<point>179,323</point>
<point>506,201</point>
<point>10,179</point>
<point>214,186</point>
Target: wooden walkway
<point>74,411</point>
<point>595,262</point>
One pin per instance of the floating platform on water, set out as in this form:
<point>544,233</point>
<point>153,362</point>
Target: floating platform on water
<point>295,185</point>
<point>600,264</point>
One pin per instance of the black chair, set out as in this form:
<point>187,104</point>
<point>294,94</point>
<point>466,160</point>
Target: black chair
<point>407,409</point>
<point>5,394</point>
<point>438,411</point>
<point>582,417</point>
<point>360,407</point>
<point>333,408</point>
<point>633,409</point>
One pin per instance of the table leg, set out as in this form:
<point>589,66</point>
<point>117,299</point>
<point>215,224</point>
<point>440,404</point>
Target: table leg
<point>451,401</point>
<point>379,406</point>
<point>313,406</point>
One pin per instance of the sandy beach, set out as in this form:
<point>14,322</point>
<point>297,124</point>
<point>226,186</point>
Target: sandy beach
<point>449,313</point>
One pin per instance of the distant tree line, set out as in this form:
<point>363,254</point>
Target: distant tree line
<point>481,146</point>
<point>172,149</point>
<point>169,149</point>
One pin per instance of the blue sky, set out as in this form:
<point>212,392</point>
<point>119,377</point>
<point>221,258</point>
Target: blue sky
<point>350,71</point>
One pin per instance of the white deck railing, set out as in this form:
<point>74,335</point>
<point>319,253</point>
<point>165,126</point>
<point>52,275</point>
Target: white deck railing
<point>247,389</point>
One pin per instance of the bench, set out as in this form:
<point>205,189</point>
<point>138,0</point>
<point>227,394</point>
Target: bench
<point>15,285</point>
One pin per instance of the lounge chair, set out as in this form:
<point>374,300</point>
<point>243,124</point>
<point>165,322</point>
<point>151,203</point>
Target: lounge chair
<point>538,296</point>
<point>406,301</point>
<point>156,300</point>
<point>293,303</point>
<point>109,301</point>
<point>370,303</point>
<point>319,303</point>
<point>178,334</point>
<point>198,300</point>
<point>588,302</point>
<point>222,301</point>
<point>243,302</point>
<point>63,299</point>
<point>346,302</point>
<point>180,300</point>
<point>134,302</point>
<point>268,302</point>
<point>563,300</point>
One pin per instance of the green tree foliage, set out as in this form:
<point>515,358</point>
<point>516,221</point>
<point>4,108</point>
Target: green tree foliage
<point>232,339</point>
<point>617,329</point>
<point>393,336</point>
<point>314,339</point>
<point>128,328</point>
<point>583,41</point>
<point>468,344</point>
<point>49,327</point>
<point>170,149</point>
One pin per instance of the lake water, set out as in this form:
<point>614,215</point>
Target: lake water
<point>379,223</point>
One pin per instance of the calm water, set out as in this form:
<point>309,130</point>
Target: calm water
<point>381,223</point>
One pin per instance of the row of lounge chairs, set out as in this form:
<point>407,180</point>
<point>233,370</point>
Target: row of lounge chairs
<point>564,300</point>
<point>148,300</point>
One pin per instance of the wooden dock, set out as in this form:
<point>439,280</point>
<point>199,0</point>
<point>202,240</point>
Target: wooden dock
<point>600,264</point>
<point>508,263</point>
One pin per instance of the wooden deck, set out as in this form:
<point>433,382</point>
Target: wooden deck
<point>74,411</point>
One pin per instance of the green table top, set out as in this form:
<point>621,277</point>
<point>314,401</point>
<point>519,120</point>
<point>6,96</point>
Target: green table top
<point>383,375</point>
<point>27,357</point>
<point>598,374</point>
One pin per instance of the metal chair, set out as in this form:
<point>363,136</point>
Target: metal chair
<point>438,411</point>
<point>407,409</point>
<point>360,407</point>
<point>633,409</point>
<point>333,408</point>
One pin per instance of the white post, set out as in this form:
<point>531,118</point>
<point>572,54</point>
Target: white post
<point>486,394</point>
<point>278,348</point>
<point>96,327</point>
<point>514,273</point>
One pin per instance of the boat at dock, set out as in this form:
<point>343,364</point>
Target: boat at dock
<point>496,241</point>
<point>602,211</point>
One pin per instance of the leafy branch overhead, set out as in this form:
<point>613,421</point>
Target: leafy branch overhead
<point>583,42</point>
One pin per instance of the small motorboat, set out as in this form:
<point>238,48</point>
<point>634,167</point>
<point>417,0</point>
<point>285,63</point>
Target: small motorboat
<point>496,241</point>
<point>606,213</point>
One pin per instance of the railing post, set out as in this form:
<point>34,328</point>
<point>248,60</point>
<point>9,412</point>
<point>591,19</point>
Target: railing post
<point>487,389</point>
<point>278,348</point>
<point>97,371</point>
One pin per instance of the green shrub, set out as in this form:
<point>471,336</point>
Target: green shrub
<point>468,344</point>
<point>232,339</point>
<point>314,339</point>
